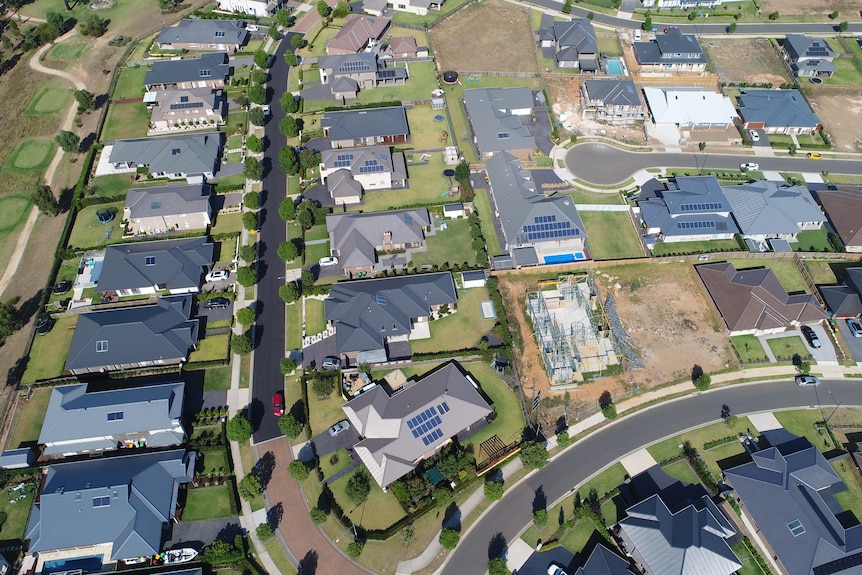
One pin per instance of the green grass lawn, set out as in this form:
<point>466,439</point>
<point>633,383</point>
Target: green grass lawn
<point>89,233</point>
<point>28,424</point>
<point>749,348</point>
<point>293,326</point>
<point>332,463</point>
<point>610,235</point>
<point>427,187</point>
<point>213,461</point>
<point>749,565</point>
<point>68,271</point>
<point>232,180</point>
<point>49,351</point>
<point>698,437</point>
<point>49,100</point>
<point>813,241</point>
<point>17,513</point>
<point>585,197</point>
<point>117,185</point>
<point>459,330</point>
<point>225,249</point>
<point>609,46</point>
<point>217,378</point>
<point>314,252</point>
<point>130,84</point>
<point>126,121</point>
<point>317,232</point>
<point>424,131</point>
<point>276,553</point>
<point>681,470</point>
<point>379,511</point>
<point>850,500</point>
<point>785,348</point>
<point>482,205</point>
<point>32,155</point>
<point>667,248</point>
<point>227,223</point>
<point>234,142</point>
<point>66,51</point>
<point>801,422</point>
<point>323,413</point>
<point>234,158</point>
<point>211,347</point>
<point>453,245</point>
<point>846,73</point>
<point>315,320</point>
<point>236,123</point>
<point>207,503</point>
<point>510,420</point>
<point>784,269</point>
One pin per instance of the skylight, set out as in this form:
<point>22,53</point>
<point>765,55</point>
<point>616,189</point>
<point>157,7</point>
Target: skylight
<point>115,416</point>
<point>101,345</point>
<point>150,260</point>
<point>796,527</point>
<point>101,501</point>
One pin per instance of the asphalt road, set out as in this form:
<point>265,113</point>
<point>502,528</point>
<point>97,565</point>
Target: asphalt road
<point>592,162</point>
<point>269,328</point>
<point>628,434</point>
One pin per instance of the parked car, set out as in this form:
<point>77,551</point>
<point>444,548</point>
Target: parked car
<point>807,381</point>
<point>749,167</point>
<point>266,110</point>
<point>669,28</point>
<point>326,262</point>
<point>815,156</point>
<point>810,336</point>
<point>278,404</point>
<point>253,28</point>
<point>855,327</point>
<point>637,35</point>
<point>217,303</point>
<point>339,427</point>
<point>755,137</point>
<point>331,363</point>
<point>556,569</point>
<point>217,275</point>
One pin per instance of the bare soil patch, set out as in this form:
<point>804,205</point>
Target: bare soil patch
<point>488,36</point>
<point>752,60</point>
<point>810,7</point>
<point>840,111</point>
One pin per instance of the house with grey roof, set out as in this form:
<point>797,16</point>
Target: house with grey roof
<point>538,229</point>
<point>843,207</point>
<point>777,112</point>
<point>204,34</point>
<point>688,541</point>
<point>753,301</point>
<point>497,117</point>
<point>351,128</point>
<point>603,561</point>
<point>615,102</point>
<point>358,33</point>
<point>194,108</point>
<point>684,209</point>
<point>82,421</point>
<point>366,243</point>
<point>375,319</point>
<point>808,56</point>
<point>347,74</point>
<point>400,430</point>
<point>788,492</point>
<point>172,266</point>
<point>113,507</point>
<point>764,209</point>
<point>259,8</point>
<point>209,71</point>
<point>372,167</point>
<point>167,208</point>
<point>845,299</point>
<point>573,43</point>
<point>189,156</point>
<point>157,335</point>
<point>673,51</point>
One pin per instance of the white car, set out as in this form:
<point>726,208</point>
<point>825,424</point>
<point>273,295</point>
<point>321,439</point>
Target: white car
<point>326,262</point>
<point>217,275</point>
<point>749,167</point>
<point>266,110</point>
<point>252,27</point>
<point>556,569</point>
<point>755,137</point>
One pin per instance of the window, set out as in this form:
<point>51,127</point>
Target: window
<point>101,501</point>
<point>205,73</point>
<point>150,260</point>
<point>219,34</point>
<point>115,416</point>
<point>101,345</point>
<point>796,527</point>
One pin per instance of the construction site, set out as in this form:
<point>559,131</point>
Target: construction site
<point>579,336</point>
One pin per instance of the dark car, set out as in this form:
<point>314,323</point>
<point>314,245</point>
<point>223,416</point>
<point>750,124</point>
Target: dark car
<point>217,303</point>
<point>43,324</point>
<point>278,404</point>
<point>810,336</point>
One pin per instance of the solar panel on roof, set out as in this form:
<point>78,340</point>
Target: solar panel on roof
<point>186,105</point>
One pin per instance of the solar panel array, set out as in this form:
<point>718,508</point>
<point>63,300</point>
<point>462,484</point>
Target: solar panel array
<point>343,160</point>
<point>502,135</point>
<point>187,105</point>
<point>371,166</point>
<point>425,426</point>
<point>700,207</point>
<point>354,66</point>
<point>432,437</point>
<point>544,219</point>
<point>694,225</point>
<point>547,227</point>
<point>554,234</point>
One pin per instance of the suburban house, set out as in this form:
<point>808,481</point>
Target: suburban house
<point>843,207</point>
<point>692,540</point>
<point>615,102</point>
<point>603,561</point>
<point>358,33</point>
<point>347,74</point>
<point>372,167</point>
<point>690,108</point>
<point>684,209</point>
<point>764,209</point>
<point>753,301</point>
<point>208,71</point>
<point>673,51</point>
<point>808,56</point>
<point>159,334</point>
<point>185,109</point>
<point>418,7</point>
<point>401,306</point>
<point>497,116</point>
<point>259,8</point>
<point>167,208</point>
<point>112,508</point>
<point>173,266</point>
<point>366,243</point>
<point>203,34</point>
<point>787,492</point>
<point>405,47</point>
<point>573,43</point>
<point>349,128</point>
<point>80,421</point>
<point>190,156</point>
<point>400,430</point>
<point>777,112</point>
<point>844,300</point>
<point>538,229</point>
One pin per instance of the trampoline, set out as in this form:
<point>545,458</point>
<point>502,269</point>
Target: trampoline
<point>450,77</point>
<point>439,117</point>
<point>448,172</point>
<point>104,215</point>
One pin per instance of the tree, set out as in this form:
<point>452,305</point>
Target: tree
<point>257,94</point>
<point>274,33</point>
<point>534,455</point>
<point>449,538</point>
<point>290,58</point>
<point>246,276</point>
<point>647,23</point>
<point>307,278</point>
<point>290,426</point>
<point>284,18</point>
<point>355,549</point>
<point>322,386</point>
<point>259,77</point>
<point>287,365</point>
<point>322,8</point>
<point>287,251</point>
<point>290,126</point>
<point>94,26</point>
<point>248,253</point>
<point>287,161</point>
<point>249,220</point>
<point>609,411</point>
<point>692,15</point>
<point>257,117</point>
<point>563,439</point>
<point>702,382</point>
<point>289,292</point>
<point>221,552</point>
<point>251,200</point>
<point>318,516</point>
<point>254,144</point>
<point>462,172</point>
<point>298,470</point>
<point>43,198</point>
<point>305,217</point>
<point>246,316</point>
<point>240,344</point>
<point>86,100</point>
<point>843,26</point>
<point>261,58</point>
<point>493,490</point>
<point>341,9</point>
<point>308,158</point>
<point>540,517</point>
<point>297,42</point>
<point>239,427</point>
<point>287,209</point>
<point>289,103</point>
<point>68,141</point>
<point>701,146</point>
<point>253,169</point>
<point>833,15</point>
<point>264,531</point>
<point>358,486</point>
<point>731,28</point>
<point>10,319</point>
<point>567,7</point>
<point>249,487</point>
<point>56,23</point>
<point>497,566</point>
<point>773,15</point>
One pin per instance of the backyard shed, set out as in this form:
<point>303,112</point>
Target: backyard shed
<point>18,458</point>
<point>453,211</point>
<point>473,279</point>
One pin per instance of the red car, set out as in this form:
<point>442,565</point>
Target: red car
<point>278,404</point>
<point>670,28</point>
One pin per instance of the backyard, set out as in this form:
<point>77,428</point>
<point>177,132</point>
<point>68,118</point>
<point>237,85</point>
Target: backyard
<point>28,424</point>
<point>460,330</point>
<point>509,423</point>
<point>452,245</point>
<point>89,233</point>
<point>482,204</point>
<point>426,186</point>
<point>129,120</point>
<point>611,235</point>
<point>673,248</point>
<point>49,351</point>
<point>426,128</point>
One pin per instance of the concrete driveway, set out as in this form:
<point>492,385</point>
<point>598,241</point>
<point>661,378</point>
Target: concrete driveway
<point>312,356</point>
<point>825,354</point>
<point>854,344</point>
<point>199,534</point>
<point>325,443</point>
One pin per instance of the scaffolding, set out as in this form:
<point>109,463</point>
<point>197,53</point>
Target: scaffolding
<point>560,363</point>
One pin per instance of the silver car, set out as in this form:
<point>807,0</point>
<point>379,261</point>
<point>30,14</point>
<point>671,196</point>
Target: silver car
<point>339,427</point>
<point>855,327</point>
<point>807,381</point>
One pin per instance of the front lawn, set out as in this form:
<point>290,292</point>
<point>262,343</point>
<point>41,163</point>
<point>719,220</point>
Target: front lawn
<point>509,422</point>
<point>379,511</point>
<point>452,245</point>
<point>211,347</point>
<point>681,470</point>
<point>315,319</point>
<point>609,46</point>
<point>698,437</point>
<point>130,120</point>
<point>214,461</point>
<point>88,232</point>
<point>323,413</point>
<point>217,378</point>
<point>315,252</point>
<point>28,424</point>
<point>225,251</point>
<point>317,232</point>
<point>293,326</point>
<point>850,500</point>
<point>801,422</point>
<point>611,235</point>
<point>48,353</point>
<point>207,503</point>
<point>749,348</point>
<point>227,224</point>
<point>332,463</point>
<point>785,348</point>
<point>675,248</point>
<point>460,330</point>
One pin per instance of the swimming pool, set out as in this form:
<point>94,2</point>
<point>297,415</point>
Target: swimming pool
<point>614,67</point>
<point>91,564</point>
<point>564,258</point>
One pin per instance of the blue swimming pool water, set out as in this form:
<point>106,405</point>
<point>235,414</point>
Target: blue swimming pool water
<point>614,67</point>
<point>91,564</point>
<point>560,259</point>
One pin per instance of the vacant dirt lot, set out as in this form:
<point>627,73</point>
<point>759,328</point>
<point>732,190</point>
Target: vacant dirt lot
<point>662,307</point>
<point>810,7</point>
<point>745,60</point>
<point>465,42</point>
<point>840,111</point>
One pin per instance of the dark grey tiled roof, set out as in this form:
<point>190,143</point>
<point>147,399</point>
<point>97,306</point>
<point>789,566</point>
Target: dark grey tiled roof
<point>496,128</point>
<point>803,46</point>
<point>208,67</point>
<point>374,122</point>
<point>354,235</point>
<point>204,32</point>
<point>188,154</point>
<point>763,207</point>
<point>168,201</point>
<point>777,109</point>
<point>672,47</point>
<point>175,264</point>
<point>687,199</point>
<point>613,92</point>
